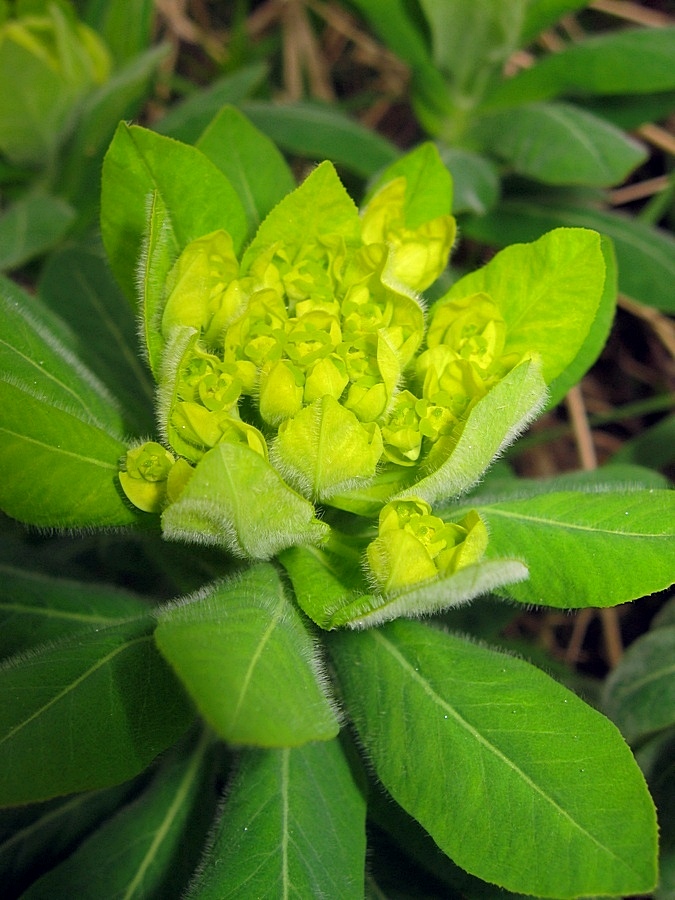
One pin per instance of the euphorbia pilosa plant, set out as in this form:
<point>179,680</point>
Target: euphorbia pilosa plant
<point>330,435</point>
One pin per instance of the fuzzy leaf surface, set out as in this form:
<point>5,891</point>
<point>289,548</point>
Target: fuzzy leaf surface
<point>198,197</point>
<point>234,647</point>
<point>429,184</point>
<point>132,855</point>
<point>293,825</point>
<point>87,712</point>
<point>515,778</point>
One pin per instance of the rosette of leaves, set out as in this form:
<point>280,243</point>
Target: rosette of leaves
<point>327,433</point>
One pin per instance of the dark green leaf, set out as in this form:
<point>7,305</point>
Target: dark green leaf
<point>623,61</point>
<point>198,197</point>
<point>233,646</point>
<point>575,544</point>
<point>653,447</point>
<point>77,285</point>
<point>254,166</point>
<point>542,14</point>
<point>475,180</point>
<point>188,119</point>
<point>138,850</point>
<point>646,255</point>
<point>639,694</point>
<point>30,227</point>
<point>36,608</point>
<point>558,143</point>
<point>515,778</point>
<point>319,132</point>
<point>88,712</point>
<point>293,825</point>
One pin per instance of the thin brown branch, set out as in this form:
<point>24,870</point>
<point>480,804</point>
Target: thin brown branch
<point>639,190</point>
<point>637,13</point>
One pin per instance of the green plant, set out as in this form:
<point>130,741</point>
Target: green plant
<point>320,459</point>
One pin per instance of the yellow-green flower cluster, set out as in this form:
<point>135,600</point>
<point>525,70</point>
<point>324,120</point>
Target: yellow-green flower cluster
<point>413,546</point>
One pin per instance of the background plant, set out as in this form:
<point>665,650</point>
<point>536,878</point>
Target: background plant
<point>70,404</point>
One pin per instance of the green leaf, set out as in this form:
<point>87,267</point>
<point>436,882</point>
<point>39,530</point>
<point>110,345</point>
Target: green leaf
<point>542,14</point>
<point>558,143</point>
<point>653,446</point>
<point>237,500</point>
<point>646,255</point>
<point>36,608</point>
<point>252,163</point>
<point>515,778</point>
<point>77,285</point>
<point>623,61</point>
<point>196,194</point>
<point>429,184</point>
<point>317,131</point>
<point>61,430</point>
<point>125,25</point>
<point>232,646</point>
<point>187,119</point>
<point>531,283</point>
<point>639,694</point>
<point>88,712</point>
<point>136,852</point>
<point>587,537</point>
<point>597,335</point>
<point>293,825</point>
<point>475,180</point>
<point>493,423</point>
<point>30,227</point>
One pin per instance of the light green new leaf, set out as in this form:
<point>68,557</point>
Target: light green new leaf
<point>320,206</point>
<point>454,590</point>
<point>189,117</point>
<point>646,255</point>
<point>133,853</point>
<point>558,143</point>
<point>30,227</point>
<point>493,423</point>
<point>60,428</point>
<point>514,777</point>
<point>35,607</point>
<point>575,544</point>
<point>639,694</point>
<point>322,131</point>
<point>622,61</point>
<point>77,285</point>
<point>428,184</point>
<point>548,293</point>
<point>198,197</point>
<point>88,712</point>
<point>237,500</point>
<point>256,169</point>
<point>293,825</point>
<point>234,646</point>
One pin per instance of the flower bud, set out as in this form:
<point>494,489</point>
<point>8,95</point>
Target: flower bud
<point>281,391</point>
<point>472,328</point>
<point>144,476</point>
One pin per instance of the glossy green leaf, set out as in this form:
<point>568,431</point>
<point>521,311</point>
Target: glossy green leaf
<point>35,607</point>
<point>237,500</point>
<point>575,544</point>
<point>232,646</point>
<point>77,285</point>
<point>254,166</point>
<point>515,778</point>
<point>558,143</point>
<point>198,197</point>
<point>30,227</point>
<point>187,119</point>
<point>622,61</point>
<point>135,853</point>
<point>87,712</point>
<point>646,255</point>
<point>61,430</point>
<point>34,838</point>
<point>493,424</point>
<point>597,335</point>
<point>639,694</point>
<point>293,824</point>
<point>319,132</point>
<point>532,283</point>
